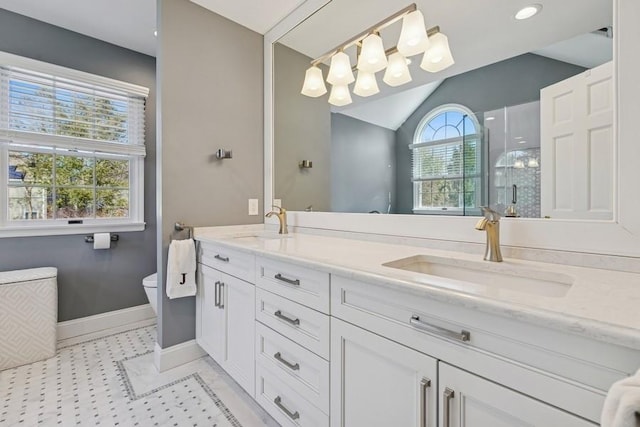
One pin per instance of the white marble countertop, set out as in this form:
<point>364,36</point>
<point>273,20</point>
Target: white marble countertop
<point>600,304</point>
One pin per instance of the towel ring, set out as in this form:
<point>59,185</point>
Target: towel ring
<point>180,226</point>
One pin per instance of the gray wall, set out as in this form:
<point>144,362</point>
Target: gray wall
<point>510,82</point>
<point>210,86</point>
<point>302,131</point>
<point>362,165</point>
<point>89,282</point>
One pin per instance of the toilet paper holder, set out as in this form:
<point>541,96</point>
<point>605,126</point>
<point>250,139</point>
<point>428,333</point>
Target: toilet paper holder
<point>114,238</point>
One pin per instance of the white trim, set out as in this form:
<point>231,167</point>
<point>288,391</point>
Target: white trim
<point>66,229</point>
<point>104,321</point>
<point>8,59</point>
<point>618,237</point>
<point>179,354</point>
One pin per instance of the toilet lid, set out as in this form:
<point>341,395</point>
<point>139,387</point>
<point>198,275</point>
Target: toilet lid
<point>150,281</point>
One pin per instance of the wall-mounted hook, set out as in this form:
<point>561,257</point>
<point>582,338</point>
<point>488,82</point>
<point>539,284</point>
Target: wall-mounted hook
<point>224,154</point>
<point>305,164</point>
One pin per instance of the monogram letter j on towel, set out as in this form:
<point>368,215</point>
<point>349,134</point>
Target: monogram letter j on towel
<point>181,269</point>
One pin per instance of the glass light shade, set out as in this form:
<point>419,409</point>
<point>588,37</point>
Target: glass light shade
<point>340,95</point>
<point>533,163</point>
<point>397,72</point>
<point>313,85</point>
<point>413,36</point>
<point>366,84</point>
<point>438,56</point>
<point>372,57</point>
<point>340,70</point>
<point>518,164</point>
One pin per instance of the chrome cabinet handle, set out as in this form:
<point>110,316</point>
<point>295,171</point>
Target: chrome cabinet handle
<point>279,315</point>
<point>447,395</point>
<point>424,385</point>
<point>216,294</point>
<point>463,336</point>
<point>221,301</point>
<point>292,415</point>
<point>292,366</point>
<point>280,277</point>
<point>222,258</point>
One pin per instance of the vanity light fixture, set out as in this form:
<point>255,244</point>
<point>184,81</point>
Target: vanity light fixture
<point>533,163</point>
<point>397,73</point>
<point>528,12</point>
<point>372,58</point>
<point>518,164</point>
<point>340,72</point>
<point>340,95</point>
<point>366,84</point>
<point>314,83</point>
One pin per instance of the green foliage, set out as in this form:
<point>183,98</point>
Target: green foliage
<point>85,186</point>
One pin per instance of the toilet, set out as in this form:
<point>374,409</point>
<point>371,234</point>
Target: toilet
<point>150,284</point>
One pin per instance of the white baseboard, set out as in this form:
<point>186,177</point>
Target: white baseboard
<point>110,320</point>
<point>179,354</point>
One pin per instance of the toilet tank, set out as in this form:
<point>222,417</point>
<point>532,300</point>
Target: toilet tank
<point>28,316</point>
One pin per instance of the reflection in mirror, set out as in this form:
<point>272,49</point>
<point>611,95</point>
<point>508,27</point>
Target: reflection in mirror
<point>523,122</point>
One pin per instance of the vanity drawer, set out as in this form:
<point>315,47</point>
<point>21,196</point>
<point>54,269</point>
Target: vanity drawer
<point>235,263</point>
<point>300,369</point>
<point>307,327</point>
<point>576,371</point>
<point>303,285</point>
<point>283,403</point>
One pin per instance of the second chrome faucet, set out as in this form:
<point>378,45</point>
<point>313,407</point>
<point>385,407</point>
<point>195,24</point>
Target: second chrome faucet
<point>491,224</point>
<point>282,217</point>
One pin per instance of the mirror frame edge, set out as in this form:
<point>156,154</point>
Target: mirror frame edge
<point>621,236</point>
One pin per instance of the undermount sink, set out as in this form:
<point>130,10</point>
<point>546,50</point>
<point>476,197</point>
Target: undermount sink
<point>490,277</point>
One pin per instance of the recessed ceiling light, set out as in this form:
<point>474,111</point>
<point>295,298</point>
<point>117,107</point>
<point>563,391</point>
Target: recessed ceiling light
<point>155,33</point>
<point>490,118</point>
<point>522,141</point>
<point>528,11</point>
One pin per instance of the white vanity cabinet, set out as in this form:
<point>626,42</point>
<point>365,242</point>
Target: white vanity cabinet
<point>225,324</point>
<point>377,382</point>
<point>292,343</point>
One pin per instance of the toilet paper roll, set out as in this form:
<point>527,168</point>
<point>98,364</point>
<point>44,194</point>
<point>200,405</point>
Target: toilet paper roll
<point>101,240</point>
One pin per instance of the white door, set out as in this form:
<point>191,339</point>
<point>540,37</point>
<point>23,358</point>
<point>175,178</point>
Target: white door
<point>377,382</point>
<point>211,317</point>
<point>238,299</point>
<point>577,146</point>
<point>467,400</point>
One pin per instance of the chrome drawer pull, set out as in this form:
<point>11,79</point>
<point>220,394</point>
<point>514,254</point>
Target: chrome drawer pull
<point>216,294</point>
<point>424,385</point>
<point>292,415</point>
<point>222,258</point>
<point>292,366</point>
<point>280,277</point>
<point>447,395</point>
<point>279,315</point>
<point>463,336</point>
<point>221,301</point>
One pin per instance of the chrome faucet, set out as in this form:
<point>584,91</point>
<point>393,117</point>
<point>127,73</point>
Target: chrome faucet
<point>491,224</point>
<point>282,217</point>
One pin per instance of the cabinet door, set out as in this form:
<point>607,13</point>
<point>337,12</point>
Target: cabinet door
<point>377,382</point>
<point>211,317</point>
<point>470,401</point>
<point>238,299</point>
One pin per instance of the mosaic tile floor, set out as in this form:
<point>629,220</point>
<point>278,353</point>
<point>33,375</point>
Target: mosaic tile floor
<point>111,381</point>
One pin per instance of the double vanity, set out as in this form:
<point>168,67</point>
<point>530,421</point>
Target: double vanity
<point>323,331</point>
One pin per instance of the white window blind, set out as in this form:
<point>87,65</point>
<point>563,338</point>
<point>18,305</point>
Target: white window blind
<point>72,148</point>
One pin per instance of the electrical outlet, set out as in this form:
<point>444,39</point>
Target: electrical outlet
<point>253,207</point>
<point>277,202</point>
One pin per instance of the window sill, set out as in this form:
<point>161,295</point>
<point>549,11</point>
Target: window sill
<point>69,229</point>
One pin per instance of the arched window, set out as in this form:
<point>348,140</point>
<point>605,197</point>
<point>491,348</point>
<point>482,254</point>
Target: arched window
<point>446,161</point>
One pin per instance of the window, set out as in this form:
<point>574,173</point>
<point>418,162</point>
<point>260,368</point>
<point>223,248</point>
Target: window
<point>446,161</point>
<point>72,150</point>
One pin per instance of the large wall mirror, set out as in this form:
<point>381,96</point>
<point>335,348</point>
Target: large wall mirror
<point>525,121</point>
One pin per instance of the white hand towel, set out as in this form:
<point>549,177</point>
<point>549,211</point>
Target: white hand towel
<point>181,269</point>
<point>622,405</point>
